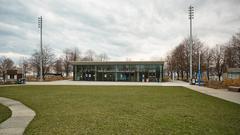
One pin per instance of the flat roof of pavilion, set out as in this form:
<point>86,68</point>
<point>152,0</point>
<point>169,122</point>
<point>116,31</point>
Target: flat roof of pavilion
<point>114,62</point>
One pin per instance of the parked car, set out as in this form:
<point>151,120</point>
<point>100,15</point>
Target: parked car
<point>21,81</point>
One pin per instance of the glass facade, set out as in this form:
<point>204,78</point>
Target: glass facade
<point>108,71</point>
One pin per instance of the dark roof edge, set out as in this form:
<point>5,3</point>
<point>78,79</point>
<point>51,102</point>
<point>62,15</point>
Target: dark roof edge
<point>114,62</point>
<point>233,70</point>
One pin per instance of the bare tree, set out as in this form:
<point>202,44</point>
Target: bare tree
<point>170,65</point>
<point>70,55</point>
<point>67,58</point>
<point>198,47</point>
<point>48,60</point>
<point>89,55</point>
<point>25,66</point>
<point>179,58</point>
<point>5,64</point>
<point>76,54</point>
<point>58,66</point>
<point>208,60</point>
<point>236,46</point>
<point>102,57</point>
<point>218,59</point>
<point>214,61</point>
<point>232,52</point>
<point>230,56</point>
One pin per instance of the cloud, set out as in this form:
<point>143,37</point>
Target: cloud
<point>16,57</point>
<point>140,30</point>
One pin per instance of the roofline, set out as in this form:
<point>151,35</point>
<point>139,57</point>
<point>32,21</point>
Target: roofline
<point>233,70</point>
<point>114,62</point>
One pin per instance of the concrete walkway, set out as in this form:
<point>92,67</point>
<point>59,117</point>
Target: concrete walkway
<point>104,83</point>
<point>21,117</point>
<point>223,94</point>
<point>220,93</point>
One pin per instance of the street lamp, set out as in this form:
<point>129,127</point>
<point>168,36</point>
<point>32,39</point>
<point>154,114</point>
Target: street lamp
<point>191,13</point>
<point>41,50</point>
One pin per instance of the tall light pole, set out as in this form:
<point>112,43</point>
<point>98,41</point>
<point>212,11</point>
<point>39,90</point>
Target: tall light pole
<point>191,13</point>
<point>41,49</point>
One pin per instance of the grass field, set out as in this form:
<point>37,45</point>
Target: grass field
<point>4,113</point>
<point>105,110</point>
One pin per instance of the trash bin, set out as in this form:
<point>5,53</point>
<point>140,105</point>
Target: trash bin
<point>23,80</point>
<point>193,81</point>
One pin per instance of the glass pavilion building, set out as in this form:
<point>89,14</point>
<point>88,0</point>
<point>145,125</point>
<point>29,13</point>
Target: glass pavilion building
<point>132,71</point>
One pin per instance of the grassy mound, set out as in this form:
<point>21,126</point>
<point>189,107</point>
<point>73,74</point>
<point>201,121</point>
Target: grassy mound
<point>124,110</point>
<point>5,113</point>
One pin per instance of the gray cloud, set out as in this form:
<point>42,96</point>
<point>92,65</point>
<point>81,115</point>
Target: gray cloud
<point>139,30</point>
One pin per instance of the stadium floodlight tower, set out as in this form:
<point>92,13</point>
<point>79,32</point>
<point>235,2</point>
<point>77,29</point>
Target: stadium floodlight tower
<point>191,13</point>
<point>41,49</point>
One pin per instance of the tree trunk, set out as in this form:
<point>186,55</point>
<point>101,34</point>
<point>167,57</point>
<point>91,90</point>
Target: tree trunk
<point>4,78</point>
<point>219,78</point>
<point>177,75</point>
<point>182,74</point>
<point>208,70</point>
<point>67,73</point>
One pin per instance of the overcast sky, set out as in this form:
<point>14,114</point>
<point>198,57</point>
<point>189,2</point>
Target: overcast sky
<point>135,29</point>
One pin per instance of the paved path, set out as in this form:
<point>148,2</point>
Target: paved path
<point>223,94</point>
<point>70,82</point>
<point>21,117</point>
<point>220,93</point>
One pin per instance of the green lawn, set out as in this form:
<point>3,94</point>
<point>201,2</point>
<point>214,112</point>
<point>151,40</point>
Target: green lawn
<point>125,110</point>
<point>4,113</point>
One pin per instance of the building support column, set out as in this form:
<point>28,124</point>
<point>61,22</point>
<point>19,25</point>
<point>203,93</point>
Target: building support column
<point>74,72</point>
<point>161,74</point>
<point>95,77</point>
<point>138,73</point>
<point>116,73</point>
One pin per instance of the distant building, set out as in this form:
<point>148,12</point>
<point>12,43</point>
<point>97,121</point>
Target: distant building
<point>133,71</point>
<point>13,75</point>
<point>233,73</point>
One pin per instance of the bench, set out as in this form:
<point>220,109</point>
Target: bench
<point>234,89</point>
